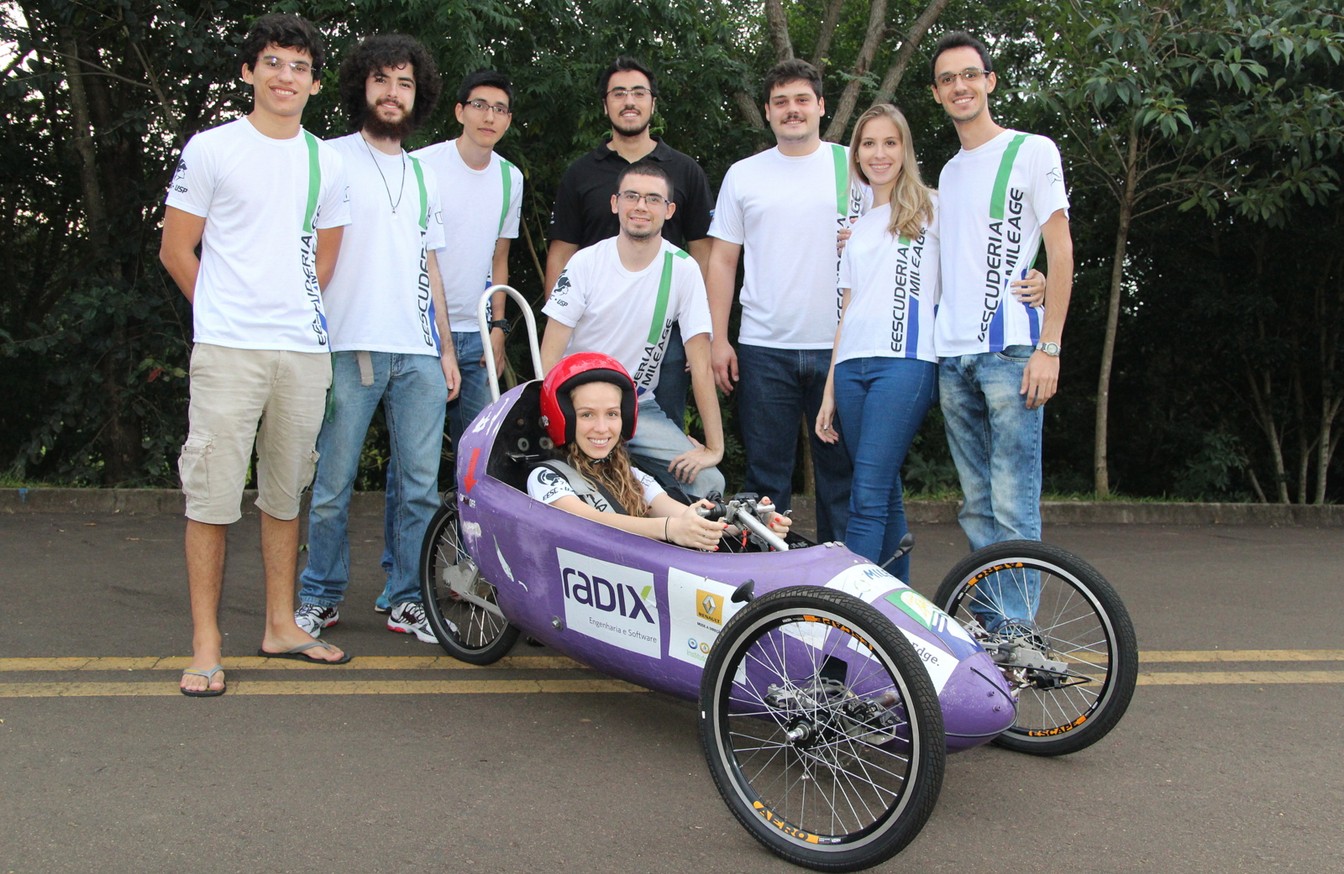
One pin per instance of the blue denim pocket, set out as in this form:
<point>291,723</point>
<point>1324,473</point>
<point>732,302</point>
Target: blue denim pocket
<point>1020,352</point>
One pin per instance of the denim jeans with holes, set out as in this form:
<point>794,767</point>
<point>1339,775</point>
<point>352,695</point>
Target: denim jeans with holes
<point>996,445</point>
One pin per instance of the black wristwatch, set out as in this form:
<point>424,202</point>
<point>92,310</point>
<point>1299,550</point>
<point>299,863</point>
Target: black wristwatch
<point>502,324</point>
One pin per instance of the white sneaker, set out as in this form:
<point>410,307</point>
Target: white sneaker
<point>312,618</point>
<point>408,617</point>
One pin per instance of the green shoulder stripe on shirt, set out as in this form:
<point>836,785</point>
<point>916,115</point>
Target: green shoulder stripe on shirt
<point>424,193</point>
<point>841,179</point>
<point>999,199</point>
<point>664,292</point>
<point>507,179</point>
<point>314,183</point>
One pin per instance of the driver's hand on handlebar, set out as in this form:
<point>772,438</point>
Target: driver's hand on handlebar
<point>779,523</point>
<point>687,466</point>
<point>693,530</point>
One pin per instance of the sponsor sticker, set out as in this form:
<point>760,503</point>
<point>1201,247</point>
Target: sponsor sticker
<point>610,602</point>
<point>697,609</point>
<point>867,582</point>
<point>939,664</point>
<point>923,611</point>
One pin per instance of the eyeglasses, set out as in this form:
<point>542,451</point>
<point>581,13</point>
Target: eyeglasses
<point>481,106</point>
<point>633,197</point>
<point>970,74</point>
<point>639,92</point>
<point>298,68</point>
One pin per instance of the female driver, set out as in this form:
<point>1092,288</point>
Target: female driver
<point>883,370</point>
<point>588,406</point>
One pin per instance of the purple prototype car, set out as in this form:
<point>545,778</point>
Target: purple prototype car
<point>829,691</point>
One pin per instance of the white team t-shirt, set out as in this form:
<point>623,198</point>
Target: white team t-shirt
<point>629,314</point>
<point>784,212</point>
<point>480,207</point>
<point>263,200</point>
<point>893,290</point>
<point>994,200</point>
<point>379,298</point>
<point>547,486</point>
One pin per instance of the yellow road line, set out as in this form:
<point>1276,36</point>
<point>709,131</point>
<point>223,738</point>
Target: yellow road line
<point>333,687</point>
<point>596,685</point>
<point>528,663</point>
<point>1238,678</point>
<point>341,684</point>
<point>359,663</point>
<point>1159,656</point>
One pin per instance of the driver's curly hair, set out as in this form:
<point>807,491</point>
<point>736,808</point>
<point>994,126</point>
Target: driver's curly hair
<point>613,474</point>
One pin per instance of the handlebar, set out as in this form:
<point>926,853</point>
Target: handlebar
<point>747,511</point>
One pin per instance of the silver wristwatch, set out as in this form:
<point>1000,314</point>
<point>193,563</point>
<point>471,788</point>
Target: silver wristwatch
<point>1051,349</point>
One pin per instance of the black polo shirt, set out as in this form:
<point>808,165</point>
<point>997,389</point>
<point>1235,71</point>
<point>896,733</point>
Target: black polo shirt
<point>582,214</point>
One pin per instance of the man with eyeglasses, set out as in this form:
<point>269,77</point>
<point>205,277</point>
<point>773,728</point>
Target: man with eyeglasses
<point>265,201</point>
<point>1001,197</point>
<point>780,210</point>
<point>482,197</point>
<point>582,216</point>
<point>389,334</point>
<point>622,296</point>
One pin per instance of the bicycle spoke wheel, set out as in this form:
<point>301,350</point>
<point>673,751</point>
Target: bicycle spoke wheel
<point>459,602</point>
<point>822,729</point>
<point>1073,660</point>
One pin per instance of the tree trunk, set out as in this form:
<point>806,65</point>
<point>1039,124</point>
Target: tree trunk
<point>94,212</point>
<point>827,32</point>
<point>1329,310</point>
<point>913,37</point>
<point>1263,412</point>
<point>1100,465</point>
<point>777,24</point>
<point>844,108</point>
<point>895,73</point>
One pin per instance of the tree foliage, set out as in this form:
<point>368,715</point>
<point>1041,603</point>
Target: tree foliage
<point>1177,103</point>
<point>1202,143</point>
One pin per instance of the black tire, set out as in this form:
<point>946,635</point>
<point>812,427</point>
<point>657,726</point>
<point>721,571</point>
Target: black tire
<point>860,774</point>
<point>1082,623</point>
<point>465,630</point>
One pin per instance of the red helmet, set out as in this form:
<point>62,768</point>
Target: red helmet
<point>572,371</point>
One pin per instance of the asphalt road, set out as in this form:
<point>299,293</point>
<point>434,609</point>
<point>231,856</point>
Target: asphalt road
<point>1229,759</point>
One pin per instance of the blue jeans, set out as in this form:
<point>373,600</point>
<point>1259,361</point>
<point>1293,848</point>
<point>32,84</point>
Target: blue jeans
<point>657,438</point>
<point>996,444</point>
<point>475,394</point>
<point>413,394</point>
<point>777,389</point>
<point>462,410</point>
<point>881,403</point>
<point>673,380</point>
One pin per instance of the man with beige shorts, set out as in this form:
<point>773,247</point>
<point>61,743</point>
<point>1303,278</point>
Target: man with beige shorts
<point>266,203</point>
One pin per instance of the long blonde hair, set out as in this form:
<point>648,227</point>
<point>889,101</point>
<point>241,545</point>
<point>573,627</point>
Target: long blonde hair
<point>911,199</point>
<point>613,474</point>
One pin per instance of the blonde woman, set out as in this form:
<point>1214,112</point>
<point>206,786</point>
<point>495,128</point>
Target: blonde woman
<point>884,372</point>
